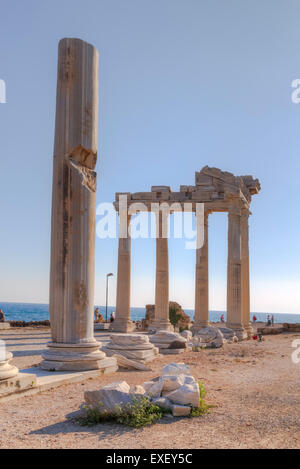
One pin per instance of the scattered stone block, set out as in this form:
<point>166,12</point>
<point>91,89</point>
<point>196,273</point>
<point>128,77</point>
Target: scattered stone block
<point>176,369</point>
<point>134,347</point>
<point>181,410</point>
<point>188,394</point>
<point>124,362</point>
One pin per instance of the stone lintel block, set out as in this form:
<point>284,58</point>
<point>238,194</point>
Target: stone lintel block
<point>160,189</point>
<point>141,195</point>
<point>203,179</point>
<point>179,196</point>
<point>188,188</point>
<point>200,196</point>
<point>160,196</point>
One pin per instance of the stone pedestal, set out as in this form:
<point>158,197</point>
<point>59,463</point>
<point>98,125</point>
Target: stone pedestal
<point>201,318</point>
<point>132,346</point>
<point>161,319</point>
<point>234,274</point>
<point>6,369</point>
<point>71,306</point>
<point>122,322</point>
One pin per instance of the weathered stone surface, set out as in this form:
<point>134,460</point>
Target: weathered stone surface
<point>156,389</point>
<point>4,325</point>
<point>108,398</point>
<point>129,339</point>
<point>187,335</point>
<point>172,382</point>
<point>181,410</point>
<point>176,369</point>
<point>166,337</point>
<point>147,385</point>
<point>6,369</point>
<point>137,389</point>
<point>188,394</point>
<point>163,402</point>
<point>228,333</point>
<point>124,362</point>
<point>210,337</point>
<point>17,383</point>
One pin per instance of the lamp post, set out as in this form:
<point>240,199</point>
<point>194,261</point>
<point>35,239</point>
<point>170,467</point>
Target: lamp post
<point>107,275</point>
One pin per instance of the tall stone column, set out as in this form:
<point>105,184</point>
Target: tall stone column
<point>122,323</point>
<point>245,272</point>
<point>201,318</point>
<point>161,319</point>
<point>234,273</point>
<point>73,345</point>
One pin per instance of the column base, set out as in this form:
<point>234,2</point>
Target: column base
<point>73,357</point>
<point>197,326</point>
<point>7,371</point>
<point>161,325</point>
<point>249,330</point>
<point>239,331</point>
<point>122,325</point>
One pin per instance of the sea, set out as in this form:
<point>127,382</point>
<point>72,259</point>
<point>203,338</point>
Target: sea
<point>40,312</point>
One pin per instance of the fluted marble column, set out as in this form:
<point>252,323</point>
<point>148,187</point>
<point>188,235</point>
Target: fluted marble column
<point>161,320</point>
<point>201,318</point>
<point>73,345</point>
<point>122,323</point>
<point>234,273</point>
<point>245,272</point>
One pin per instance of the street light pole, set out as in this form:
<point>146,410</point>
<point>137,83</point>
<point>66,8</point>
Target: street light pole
<point>107,275</point>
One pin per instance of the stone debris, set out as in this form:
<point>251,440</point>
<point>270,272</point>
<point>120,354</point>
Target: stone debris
<point>228,334</point>
<point>181,410</point>
<point>169,342</point>
<point>110,397</point>
<point>176,369</point>
<point>134,347</point>
<point>188,394</point>
<point>124,362</point>
<point>209,337</point>
<point>186,334</point>
<point>175,390</point>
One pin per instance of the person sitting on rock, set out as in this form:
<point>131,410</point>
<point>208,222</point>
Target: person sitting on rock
<point>2,316</point>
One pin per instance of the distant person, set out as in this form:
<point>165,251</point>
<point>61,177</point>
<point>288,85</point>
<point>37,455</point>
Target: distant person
<point>272,320</point>
<point>268,320</point>
<point>2,316</point>
<point>96,314</point>
<point>254,319</point>
<point>112,317</point>
<point>100,317</point>
<point>222,318</point>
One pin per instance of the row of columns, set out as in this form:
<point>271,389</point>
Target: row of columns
<point>238,297</point>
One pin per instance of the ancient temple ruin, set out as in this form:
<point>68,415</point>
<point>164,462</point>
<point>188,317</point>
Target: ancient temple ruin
<point>218,191</point>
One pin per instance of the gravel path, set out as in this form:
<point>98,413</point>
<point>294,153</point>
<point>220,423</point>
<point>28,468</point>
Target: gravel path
<point>255,387</point>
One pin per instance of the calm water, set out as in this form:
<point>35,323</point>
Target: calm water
<point>40,312</point>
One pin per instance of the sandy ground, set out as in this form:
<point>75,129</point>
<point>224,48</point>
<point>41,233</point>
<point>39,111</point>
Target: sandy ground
<point>255,387</point>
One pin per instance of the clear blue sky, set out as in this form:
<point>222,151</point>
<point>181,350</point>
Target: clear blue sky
<point>183,83</point>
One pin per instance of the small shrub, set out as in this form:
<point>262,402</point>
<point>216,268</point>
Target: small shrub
<point>202,408</point>
<point>139,413</point>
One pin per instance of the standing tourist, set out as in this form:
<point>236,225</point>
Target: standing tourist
<point>2,316</point>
